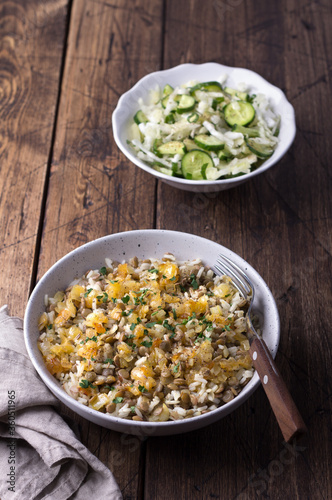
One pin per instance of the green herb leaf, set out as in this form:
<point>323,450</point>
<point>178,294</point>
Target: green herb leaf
<point>117,400</point>
<point>50,327</point>
<point>103,270</point>
<point>194,283</point>
<point>87,292</point>
<point>132,326</point>
<point>108,360</point>
<point>150,325</point>
<point>174,314</point>
<point>154,270</point>
<point>85,384</point>
<point>142,388</point>
<point>133,409</point>
<point>168,326</point>
<point>176,367</point>
<point>146,343</point>
<point>126,299</point>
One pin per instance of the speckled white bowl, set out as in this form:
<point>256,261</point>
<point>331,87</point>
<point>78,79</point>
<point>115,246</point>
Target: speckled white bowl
<point>128,105</point>
<point>143,244</point>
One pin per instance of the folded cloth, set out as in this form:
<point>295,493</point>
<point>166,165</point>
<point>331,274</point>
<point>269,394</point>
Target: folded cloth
<point>40,456</point>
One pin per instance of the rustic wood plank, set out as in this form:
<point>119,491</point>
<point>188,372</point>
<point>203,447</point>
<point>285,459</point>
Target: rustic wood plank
<point>93,189</point>
<point>280,222</point>
<point>31,45</point>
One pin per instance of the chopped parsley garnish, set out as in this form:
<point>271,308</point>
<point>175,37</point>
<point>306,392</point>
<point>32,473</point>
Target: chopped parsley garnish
<point>127,313</point>
<point>142,388</point>
<point>87,292</point>
<point>150,325</point>
<point>126,299</point>
<point>132,326</point>
<point>228,328</point>
<point>173,279</point>
<point>50,327</point>
<point>113,299</point>
<point>105,299</point>
<point>194,283</point>
<point>94,338</point>
<point>108,360</point>
<point>145,331</point>
<point>154,270</point>
<point>117,400</point>
<point>103,270</point>
<point>165,277</point>
<point>176,367</point>
<point>168,326</point>
<point>174,314</point>
<point>114,281</point>
<point>85,384</point>
<point>146,343</point>
<point>172,335</point>
<point>133,409</point>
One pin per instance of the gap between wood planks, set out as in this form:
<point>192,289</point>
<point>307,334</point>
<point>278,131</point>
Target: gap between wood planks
<point>50,156</point>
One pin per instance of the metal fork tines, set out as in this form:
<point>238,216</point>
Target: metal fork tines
<point>239,278</point>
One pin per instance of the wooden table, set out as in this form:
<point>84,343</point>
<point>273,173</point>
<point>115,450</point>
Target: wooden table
<point>63,66</point>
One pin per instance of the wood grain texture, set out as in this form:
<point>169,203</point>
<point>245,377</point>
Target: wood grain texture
<point>281,224</point>
<point>93,189</point>
<point>31,47</point>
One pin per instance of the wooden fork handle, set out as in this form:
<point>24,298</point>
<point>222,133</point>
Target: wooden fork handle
<point>283,406</point>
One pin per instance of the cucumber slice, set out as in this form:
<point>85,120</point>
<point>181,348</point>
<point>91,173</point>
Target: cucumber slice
<point>190,144</point>
<point>167,90</point>
<point>170,118</point>
<point>186,104</point>
<point>163,169</point>
<point>140,117</point>
<point>250,132</point>
<point>194,164</point>
<point>206,87</point>
<point>225,154</point>
<point>172,148</point>
<point>156,144</point>
<point>164,100</point>
<point>260,150</point>
<point>239,112</point>
<point>216,101</point>
<point>236,93</point>
<point>193,118</point>
<point>208,142</point>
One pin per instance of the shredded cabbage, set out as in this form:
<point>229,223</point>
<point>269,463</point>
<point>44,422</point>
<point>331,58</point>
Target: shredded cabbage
<point>163,123</point>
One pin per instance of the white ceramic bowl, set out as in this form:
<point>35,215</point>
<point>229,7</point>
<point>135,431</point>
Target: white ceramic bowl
<point>143,244</point>
<point>128,105</point>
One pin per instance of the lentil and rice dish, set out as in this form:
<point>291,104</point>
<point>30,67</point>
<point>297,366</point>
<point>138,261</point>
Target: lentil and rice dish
<point>148,340</point>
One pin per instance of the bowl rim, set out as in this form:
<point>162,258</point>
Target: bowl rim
<point>135,426</point>
<point>177,180</point>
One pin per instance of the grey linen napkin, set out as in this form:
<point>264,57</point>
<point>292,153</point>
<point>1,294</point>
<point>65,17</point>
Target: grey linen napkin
<point>40,456</point>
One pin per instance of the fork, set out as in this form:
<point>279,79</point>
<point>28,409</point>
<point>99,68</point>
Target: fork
<point>289,419</point>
